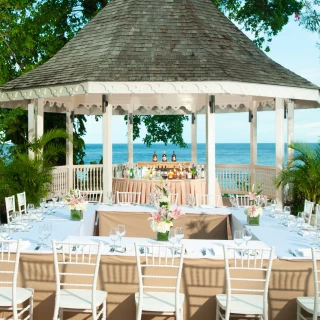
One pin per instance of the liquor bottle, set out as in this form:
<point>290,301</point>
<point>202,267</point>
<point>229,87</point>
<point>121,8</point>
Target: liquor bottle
<point>164,157</point>
<point>154,157</point>
<point>131,173</point>
<point>174,172</point>
<point>173,157</point>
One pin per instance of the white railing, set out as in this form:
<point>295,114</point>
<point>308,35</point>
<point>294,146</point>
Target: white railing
<point>232,178</point>
<point>60,179</point>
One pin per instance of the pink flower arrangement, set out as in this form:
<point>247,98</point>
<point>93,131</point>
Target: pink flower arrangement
<point>257,200</point>
<point>161,221</point>
<point>75,200</point>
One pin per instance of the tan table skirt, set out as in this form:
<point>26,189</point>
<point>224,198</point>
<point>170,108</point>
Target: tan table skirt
<point>196,226</point>
<point>182,187</point>
<point>202,279</point>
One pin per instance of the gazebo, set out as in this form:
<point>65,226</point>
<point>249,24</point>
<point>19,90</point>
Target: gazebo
<point>169,57</point>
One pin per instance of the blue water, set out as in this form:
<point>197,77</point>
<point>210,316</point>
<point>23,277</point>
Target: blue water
<point>226,153</point>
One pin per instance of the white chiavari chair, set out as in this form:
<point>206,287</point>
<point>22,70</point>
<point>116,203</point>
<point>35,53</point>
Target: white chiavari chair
<point>92,196</point>
<point>159,293</point>
<point>208,200</point>
<point>245,270</point>
<point>10,208</point>
<point>22,202</point>
<point>16,300</point>
<point>316,221</point>
<point>69,266</point>
<point>174,198</point>
<point>308,208</point>
<point>311,304</point>
<point>243,200</point>
<point>128,197</point>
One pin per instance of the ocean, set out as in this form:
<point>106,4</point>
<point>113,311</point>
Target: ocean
<point>226,153</point>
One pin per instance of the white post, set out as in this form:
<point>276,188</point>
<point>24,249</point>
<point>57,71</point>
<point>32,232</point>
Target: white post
<point>130,136</point>
<point>194,135</point>
<point>253,143</point>
<point>69,148</point>
<point>279,106</point>
<point>211,149</point>
<point>107,150</point>
<point>39,118</point>
<point>31,124</point>
<point>290,129</point>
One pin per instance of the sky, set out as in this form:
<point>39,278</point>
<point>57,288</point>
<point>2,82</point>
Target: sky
<point>295,49</point>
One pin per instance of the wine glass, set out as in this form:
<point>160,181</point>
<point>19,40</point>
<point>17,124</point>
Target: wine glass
<point>233,201</point>
<point>238,237</point>
<point>179,232</point>
<point>292,223</point>
<point>50,207</point>
<point>41,234</point>
<point>30,208</point>
<point>38,212</point>
<point>43,203</point>
<point>300,219</point>
<point>273,205</point>
<point>5,232</point>
<point>54,198</point>
<point>121,231</point>
<point>24,221</point>
<point>246,235</point>
<point>191,200</point>
<point>172,238</point>
<point>113,237</point>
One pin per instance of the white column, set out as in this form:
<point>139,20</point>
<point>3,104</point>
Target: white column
<point>130,137</point>
<point>39,118</point>
<point>194,136</point>
<point>31,124</point>
<point>253,142</point>
<point>211,151</point>
<point>69,149</point>
<point>290,129</point>
<point>279,106</point>
<point>107,150</point>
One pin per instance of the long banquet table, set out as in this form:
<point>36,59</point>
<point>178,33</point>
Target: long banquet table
<point>198,223</point>
<point>182,187</point>
<point>203,276</point>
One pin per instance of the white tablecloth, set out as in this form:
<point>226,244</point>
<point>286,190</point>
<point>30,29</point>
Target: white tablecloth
<point>62,227</point>
<point>271,232</point>
<point>147,208</point>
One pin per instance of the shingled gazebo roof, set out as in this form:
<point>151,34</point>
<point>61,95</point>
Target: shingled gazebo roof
<point>162,41</point>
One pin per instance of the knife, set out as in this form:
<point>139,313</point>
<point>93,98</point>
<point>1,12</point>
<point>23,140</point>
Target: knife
<point>291,252</point>
<point>37,247</point>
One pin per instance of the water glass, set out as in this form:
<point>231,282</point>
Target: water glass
<point>113,236</point>
<point>4,232</point>
<point>24,221</point>
<point>41,235</point>
<point>179,232</point>
<point>191,200</point>
<point>292,223</point>
<point>38,213</point>
<point>121,231</point>
<point>48,231</point>
<point>273,205</point>
<point>172,236</point>
<point>238,237</point>
<point>300,219</point>
<point>50,207</point>
<point>54,198</point>
<point>268,208</point>
<point>30,208</point>
<point>246,235</point>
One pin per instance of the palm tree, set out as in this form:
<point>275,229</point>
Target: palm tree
<point>302,174</point>
<point>31,172</point>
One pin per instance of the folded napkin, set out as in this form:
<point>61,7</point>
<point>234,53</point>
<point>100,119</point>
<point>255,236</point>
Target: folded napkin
<point>305,252</point>
<point>23,245</point>
<point>206,206</point>
<point>306,233</point>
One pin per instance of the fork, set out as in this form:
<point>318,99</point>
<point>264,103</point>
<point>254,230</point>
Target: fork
<point>204,251</point>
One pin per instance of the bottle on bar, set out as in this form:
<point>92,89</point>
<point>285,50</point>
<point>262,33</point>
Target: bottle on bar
<point>164,157</point>
<point>154,157</point>
<point>173,157</point>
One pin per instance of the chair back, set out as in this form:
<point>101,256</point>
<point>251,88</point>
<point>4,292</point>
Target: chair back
<point>10,207</point>
<point>174,198</point>
<point>76,265</point>
<point>315,255</point>
<point>248,270</point>
<point>208,199</point>
<point>243,200</point>
<point>159,268</point>
<point>128,197</point>
<point>22,202</point>
<point>317,215</point>
<point>9,266</point>
<point>92,196</point>
<point>308,207</point>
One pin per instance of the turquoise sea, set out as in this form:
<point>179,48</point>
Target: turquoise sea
<point>226,153</point>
